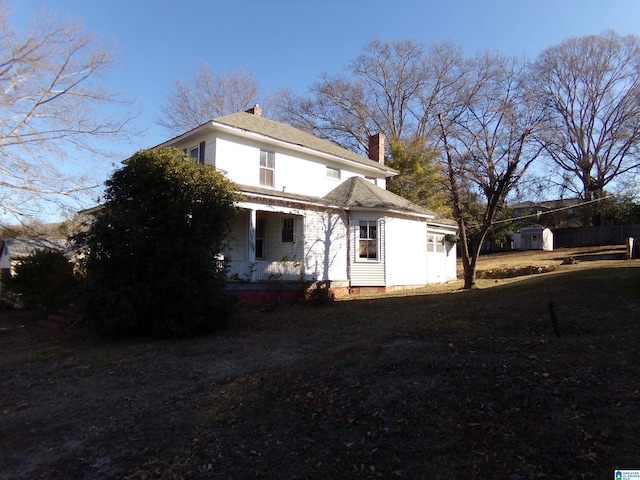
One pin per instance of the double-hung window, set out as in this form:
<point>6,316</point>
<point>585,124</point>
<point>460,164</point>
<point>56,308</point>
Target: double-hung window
<point>287,230</point>
<point>368,240</point>
<point>197,152</point>
<point>267,168</point>
<point>435,243</point>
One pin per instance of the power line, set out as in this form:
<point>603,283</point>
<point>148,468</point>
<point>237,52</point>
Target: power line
<point>539,213</point>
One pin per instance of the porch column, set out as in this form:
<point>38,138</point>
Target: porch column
<point>252,241</point>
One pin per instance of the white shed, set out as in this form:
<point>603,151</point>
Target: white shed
<point>533,238</point>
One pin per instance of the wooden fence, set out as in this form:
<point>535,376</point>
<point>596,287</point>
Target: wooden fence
<point>586,236</point>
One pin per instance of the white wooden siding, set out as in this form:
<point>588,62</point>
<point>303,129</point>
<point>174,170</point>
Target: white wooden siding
<point>406,255</point>
<point>367,273</point>
<point>441,265</point>
<point>275,248</point>
<point>294,172</point>
<point>325,252</point>
<point>237,246</point>
<point>241,162</point>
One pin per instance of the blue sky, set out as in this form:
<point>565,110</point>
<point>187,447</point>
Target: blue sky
<point>289,43</point>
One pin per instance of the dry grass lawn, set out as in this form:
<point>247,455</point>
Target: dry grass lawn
<point>438,383</point>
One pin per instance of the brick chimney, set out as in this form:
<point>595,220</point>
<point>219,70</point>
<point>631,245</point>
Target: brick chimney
<point>376,147</point>
<point>255,110</point>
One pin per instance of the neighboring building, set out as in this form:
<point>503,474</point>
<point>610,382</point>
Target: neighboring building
<point>12,250</point>
<point>314,211</point>
<point>535,237</point>
<point>567,212</point>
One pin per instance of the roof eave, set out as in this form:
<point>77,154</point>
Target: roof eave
<point>191,133</point>
<point>388,172</point>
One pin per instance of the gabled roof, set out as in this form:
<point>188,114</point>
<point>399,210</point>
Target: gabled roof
<point>23,247</point>
<point>294,136</point>
<point>547,204</point>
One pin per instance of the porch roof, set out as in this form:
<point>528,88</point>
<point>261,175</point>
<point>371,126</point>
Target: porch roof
<point>356,193</point>
<point>276,195</point>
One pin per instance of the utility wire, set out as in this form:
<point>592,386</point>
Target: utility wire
<point>539,213</point>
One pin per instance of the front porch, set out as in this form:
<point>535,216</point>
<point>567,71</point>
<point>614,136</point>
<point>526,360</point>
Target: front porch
<point>266,246</point>
<point>265,271</point>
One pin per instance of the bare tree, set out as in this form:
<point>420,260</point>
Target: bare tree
<point>392,87</point>
<point>50,108</point>
<point>487,139</point>
<point>207,95</point>
<point>590,87</point>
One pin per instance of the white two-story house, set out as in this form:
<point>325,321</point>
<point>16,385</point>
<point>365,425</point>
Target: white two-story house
<point>313,211</point>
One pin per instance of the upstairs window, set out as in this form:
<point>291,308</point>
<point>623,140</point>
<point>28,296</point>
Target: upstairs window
<point>287,230</point>
<point>267,168</point>
<point>331,172</point>
<point>197,152</point>
<point>368,240</point>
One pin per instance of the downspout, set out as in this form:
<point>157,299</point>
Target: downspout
<point>348,248</point>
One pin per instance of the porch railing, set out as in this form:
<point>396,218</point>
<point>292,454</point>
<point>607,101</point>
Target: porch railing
<point>264,270</point>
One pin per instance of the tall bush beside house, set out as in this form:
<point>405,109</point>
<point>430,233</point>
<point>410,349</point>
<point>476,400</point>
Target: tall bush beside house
<point>150,255</point>
<point>44,279</point>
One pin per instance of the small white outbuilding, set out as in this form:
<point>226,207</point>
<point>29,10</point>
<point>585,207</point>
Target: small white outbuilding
<point>533,238</point>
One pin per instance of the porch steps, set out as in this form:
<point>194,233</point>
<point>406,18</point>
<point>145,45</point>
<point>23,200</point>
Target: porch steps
<point>63,318</point>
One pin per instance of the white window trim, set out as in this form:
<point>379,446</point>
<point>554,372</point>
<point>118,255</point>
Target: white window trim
<point>332,170</point>
<point>196,149</point>
<point>272,169</point>
<point>293,229</point>
<point>435,242</point>
<point>357,237</point>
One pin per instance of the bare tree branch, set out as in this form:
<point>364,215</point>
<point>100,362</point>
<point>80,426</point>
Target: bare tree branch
<point>590,87</point>
<point>488,146</point>
<point>208,95</point>
<point>50,109</point>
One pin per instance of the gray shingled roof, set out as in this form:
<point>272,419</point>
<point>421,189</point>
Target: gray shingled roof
<point>251,190</point>
<point>357,192</point>
<point>295,136</point>
<point>23,247</point>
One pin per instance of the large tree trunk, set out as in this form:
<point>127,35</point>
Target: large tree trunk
<point>469,278</point>
<point>470,252</point>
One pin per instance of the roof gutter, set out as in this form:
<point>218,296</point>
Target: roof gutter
<point>389,172</point>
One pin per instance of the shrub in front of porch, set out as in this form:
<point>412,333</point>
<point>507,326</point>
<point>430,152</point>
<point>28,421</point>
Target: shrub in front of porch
<point>150,263</point>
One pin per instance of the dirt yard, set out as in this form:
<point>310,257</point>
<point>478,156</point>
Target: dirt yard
<point>439,383</point>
